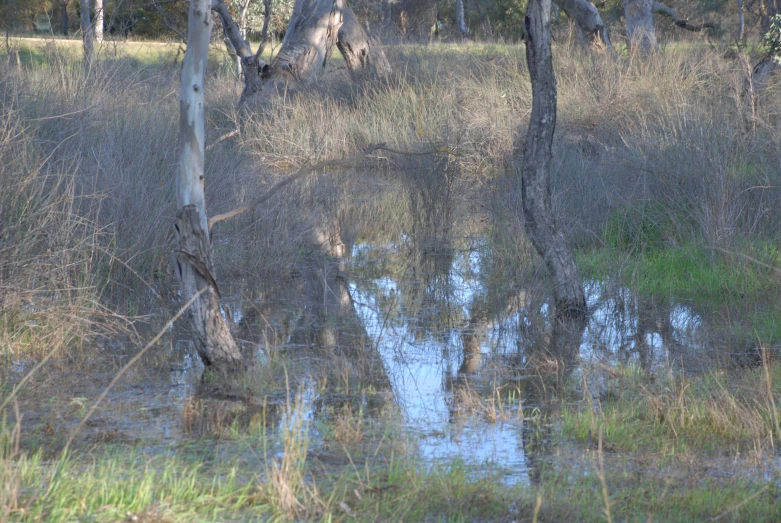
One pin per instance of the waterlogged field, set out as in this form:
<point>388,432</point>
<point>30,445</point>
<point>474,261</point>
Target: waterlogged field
<point>404,362</point>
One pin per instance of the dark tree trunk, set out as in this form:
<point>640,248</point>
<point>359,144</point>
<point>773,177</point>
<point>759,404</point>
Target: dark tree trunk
<point>363,54</point>
<point>588,20</point>
<point>252,66</point>
<point>640,31</point>
<point>535,174</point>
<point>64,9</point>
<point>87,35</point>
<point>414,18</point>
<point>741,21</point>
<point>309,40</point>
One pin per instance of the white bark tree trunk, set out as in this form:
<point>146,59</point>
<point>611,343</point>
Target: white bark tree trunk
<point>640,31</point>
<point>193,261</point>
<point>461,19</point>
<point>99,21</point>
<point>539,221</point>
<point>87,35</point>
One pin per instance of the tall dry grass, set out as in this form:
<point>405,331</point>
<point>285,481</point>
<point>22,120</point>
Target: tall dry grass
<point>669,139</point>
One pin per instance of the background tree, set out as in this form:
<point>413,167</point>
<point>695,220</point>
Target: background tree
<point>99,21</point>
<point>640,30</point>
<point>310,38</point>
<point>87,34</point>
<point>590,25</point>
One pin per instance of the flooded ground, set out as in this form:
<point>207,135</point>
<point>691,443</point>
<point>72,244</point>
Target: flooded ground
<point>451,368</point>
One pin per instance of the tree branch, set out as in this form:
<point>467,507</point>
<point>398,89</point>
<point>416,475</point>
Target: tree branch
<point>309,169</point>
<point>666,10</point>
<point>240,45</point>
<point>264,32</point>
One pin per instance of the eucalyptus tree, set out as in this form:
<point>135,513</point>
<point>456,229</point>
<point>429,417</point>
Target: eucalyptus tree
<point>590,25</point>
<point>315,28</point>
<point>640,31</point>
<point>193,260</point>
<point>99,15</point>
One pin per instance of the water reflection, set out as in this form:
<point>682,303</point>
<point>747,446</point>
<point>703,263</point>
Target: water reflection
<point>461,348</point>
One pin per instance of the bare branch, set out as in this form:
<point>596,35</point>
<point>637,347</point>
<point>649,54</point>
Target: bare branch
<point>666,10</point>
<point>264,32</point>
<point>169,24</point>
<point>232,31</point>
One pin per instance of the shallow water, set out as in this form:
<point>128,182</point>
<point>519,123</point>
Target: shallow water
<point>465,363</point>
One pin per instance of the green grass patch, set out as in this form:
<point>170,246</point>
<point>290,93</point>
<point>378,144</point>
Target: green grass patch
<point>717,414</point>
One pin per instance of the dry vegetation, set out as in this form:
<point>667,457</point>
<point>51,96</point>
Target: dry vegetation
<point>653,156</point>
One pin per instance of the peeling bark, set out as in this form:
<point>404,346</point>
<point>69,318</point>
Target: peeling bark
<point>640,31</point>
<point>588,20</point>
<point>193,261</point>
<point>540,222</point>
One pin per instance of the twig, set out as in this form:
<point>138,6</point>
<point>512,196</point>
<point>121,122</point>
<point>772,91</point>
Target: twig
<point>306,170</point>
<point>749,258</point>
<point>129,364</point>
<point>747,500</point>
<point>225,136</point>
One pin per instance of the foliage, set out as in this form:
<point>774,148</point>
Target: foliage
<point>772,39</point>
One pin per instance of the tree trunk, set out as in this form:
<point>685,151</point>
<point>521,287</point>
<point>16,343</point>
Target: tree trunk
<point>87,35</point>
<point>535,174</point>
<point>414,18</point>
<point>99,21</point>
<point>193,262</point>
<point>461,19</point>
<point>741,21</point>
<point>640,31</point>
<point>309,41</point>
<point>64,8</point>
<point>587,17</point>
<point>242,32</point>
<point>363,54</point>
